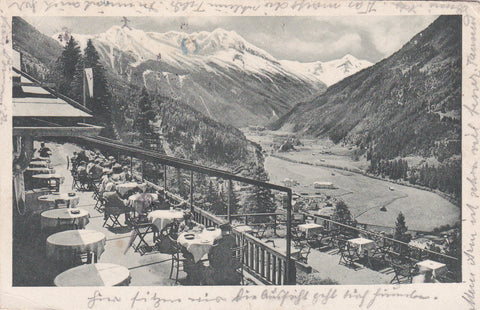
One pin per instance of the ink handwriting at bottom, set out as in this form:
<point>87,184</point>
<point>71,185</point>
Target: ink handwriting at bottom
<point>141,300</point>
<point>98,298</point>
<point>388,294</point>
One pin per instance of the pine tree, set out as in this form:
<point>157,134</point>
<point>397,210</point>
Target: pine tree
<point>143,120</point>
<point>220,204</point>
<point>342,213</point>
<point>211,196</point>
<point>234,201</point>
<point>101,102</point>
<point>182,189</point>
<point>400,233</point>
<point>400,227</point>
<point>261,199</point>
<point>65,67</point>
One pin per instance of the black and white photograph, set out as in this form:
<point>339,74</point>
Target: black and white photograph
<point>231,150</point>
<point>178,151</point>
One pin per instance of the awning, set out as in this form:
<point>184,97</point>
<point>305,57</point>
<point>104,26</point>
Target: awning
<point>58,131</point>
<point>45,107</point>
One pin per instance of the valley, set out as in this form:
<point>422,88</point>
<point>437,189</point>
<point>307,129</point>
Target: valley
<point>364,195</point>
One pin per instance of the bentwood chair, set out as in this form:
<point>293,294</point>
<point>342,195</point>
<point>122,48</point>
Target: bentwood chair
<point>348,254</point>
<point>177,259</point>
<point>141,229</point>
<point>403,271</point>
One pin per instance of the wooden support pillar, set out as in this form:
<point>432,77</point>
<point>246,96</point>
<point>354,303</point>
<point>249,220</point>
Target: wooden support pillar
<point>275,225</point>
<point>229,206</point>
<point>164,181</point>
<point>131,167</point>
<point>289,266</point>
<point>191,191</point>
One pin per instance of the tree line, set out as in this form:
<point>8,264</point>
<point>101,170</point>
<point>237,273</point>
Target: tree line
<point>68,76</point>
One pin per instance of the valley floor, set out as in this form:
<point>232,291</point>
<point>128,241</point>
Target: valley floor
<point>423,210</point>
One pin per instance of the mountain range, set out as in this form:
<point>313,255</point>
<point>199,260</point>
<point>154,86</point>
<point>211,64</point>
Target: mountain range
<point>218,73</point>
<point>406,104</point>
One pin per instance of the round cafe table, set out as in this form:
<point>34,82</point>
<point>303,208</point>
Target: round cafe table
<point>199,243</point>
<point>160,218</point>
<point>61,246</point>
<point>55,217</point>
<point>47,176</point>
<point>39,170</point>
<point>139,201</point>
<point>47,159</point>
<point>52,199</point>
<point>30,172</point>
<point>123,188</point>
<point>244,228</point>
<point>99,274</point>
<point>38,164</point>
<point>45,180</point>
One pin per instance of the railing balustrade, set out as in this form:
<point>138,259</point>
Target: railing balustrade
<point>260,260</point>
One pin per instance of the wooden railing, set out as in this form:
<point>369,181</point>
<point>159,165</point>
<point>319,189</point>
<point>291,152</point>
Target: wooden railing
<point>259,259</point>
<point>246,217</point>
<point>405,249</point>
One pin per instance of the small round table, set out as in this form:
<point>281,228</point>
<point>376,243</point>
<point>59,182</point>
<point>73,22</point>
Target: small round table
<point>61,246</point>
<point>30,172</point>
<point>123,188</point>
<point>201,242</point>
<point>160,218</point>
<point>99,274</point>
<point>39,170</point>
<point>139,201</point>
<point>51,181</point>
<point>56,217</point>
<point>38,164</point>
<point>53,199</point>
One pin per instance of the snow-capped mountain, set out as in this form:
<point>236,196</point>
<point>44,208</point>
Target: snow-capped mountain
<point>218,72</point>
<point>329,72</point>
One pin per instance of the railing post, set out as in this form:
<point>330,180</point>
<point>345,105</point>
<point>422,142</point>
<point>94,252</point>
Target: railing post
<point>275,225</point>
<point>164,181</point>
<point>131,167</point>
<point>191,191</point>
<point>289,266</point>
<point>229,201</point>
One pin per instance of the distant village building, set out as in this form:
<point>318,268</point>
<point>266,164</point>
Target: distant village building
<point>324,185</point>
<point>289,182</point>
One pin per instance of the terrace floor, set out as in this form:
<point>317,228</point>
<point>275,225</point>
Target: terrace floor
<point>326,265</point>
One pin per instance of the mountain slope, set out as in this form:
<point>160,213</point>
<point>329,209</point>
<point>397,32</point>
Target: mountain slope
<point>409,103</point>
<point>38,50</point>
<point>217,73</point>
<point>185,131</point>
<point>329,72</point>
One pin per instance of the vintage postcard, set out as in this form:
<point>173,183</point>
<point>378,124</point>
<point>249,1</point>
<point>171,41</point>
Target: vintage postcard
<point>295,154</point>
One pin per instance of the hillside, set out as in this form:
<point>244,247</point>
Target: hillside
<point>407,104</point>
<point>184,129</point>
<point>36,60</point>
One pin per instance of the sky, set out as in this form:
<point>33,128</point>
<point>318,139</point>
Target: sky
<point>304,39</point>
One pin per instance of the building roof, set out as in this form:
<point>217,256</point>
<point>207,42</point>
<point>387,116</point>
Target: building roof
<point>36,108</point>
<point>30,99</point>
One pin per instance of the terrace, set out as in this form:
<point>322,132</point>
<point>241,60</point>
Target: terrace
<point>267,257</point>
